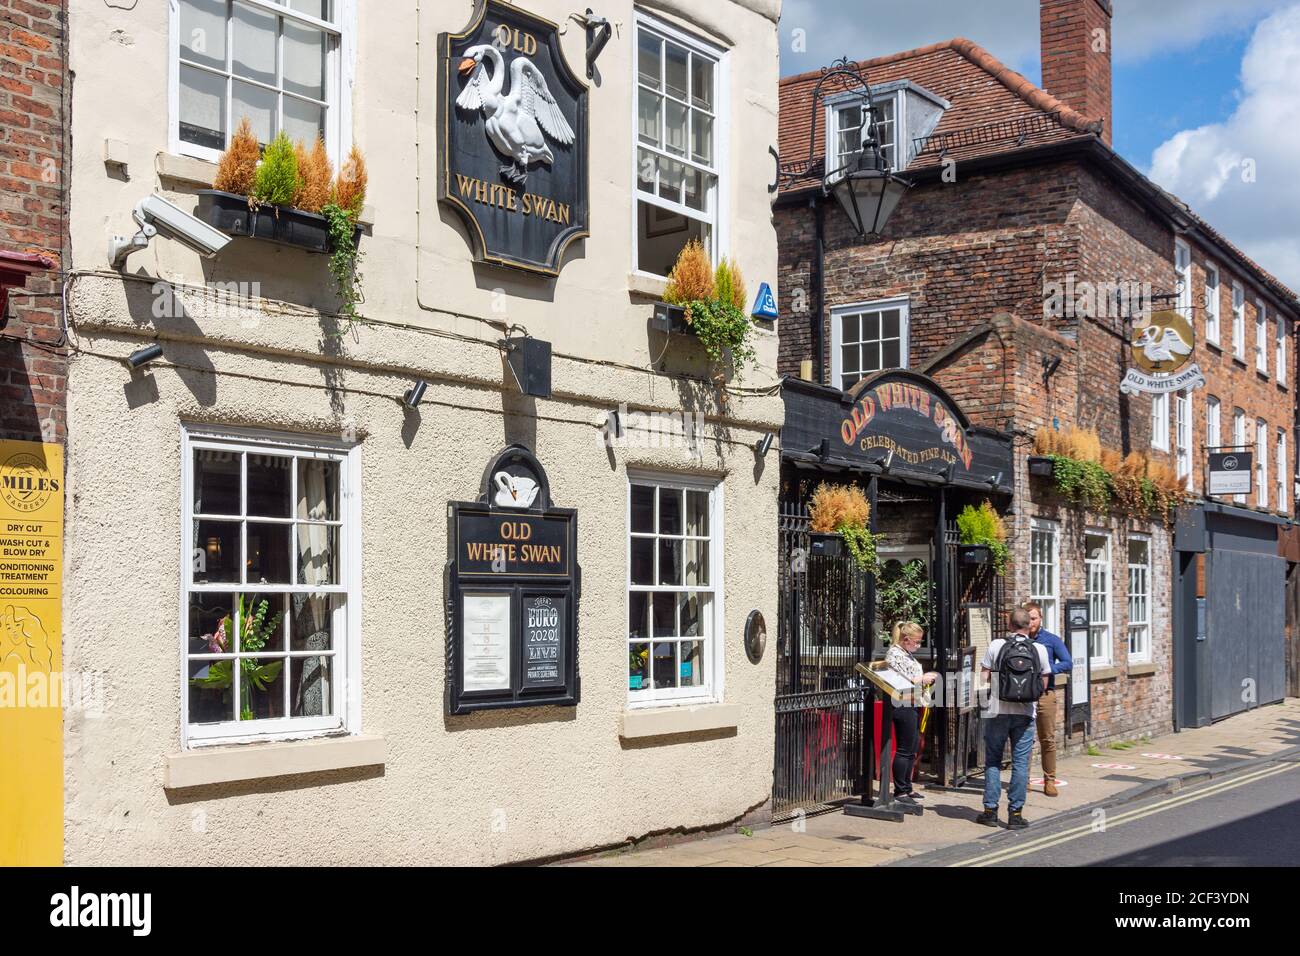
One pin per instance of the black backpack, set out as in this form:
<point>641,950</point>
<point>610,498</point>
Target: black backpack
<point>1019,671</point>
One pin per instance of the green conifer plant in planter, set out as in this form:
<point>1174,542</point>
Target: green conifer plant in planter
<point>984,536</point>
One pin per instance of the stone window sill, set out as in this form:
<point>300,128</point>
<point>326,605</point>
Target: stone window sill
<point>206,766</point>
<point>1104,673</point>
<point>200,173</point>
<point>643,284</point>
<point>1141,670</point>
<point>664,721</point>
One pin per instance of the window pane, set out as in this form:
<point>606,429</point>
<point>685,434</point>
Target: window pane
<point>303,121</point>
<point>643,508</point>
<point>638,619</point>
<point>268,553</point>
<point>871,357</point>
<point>690,666</point>
<point>311,687</point>
<point>264,624</point>
<point>259,106</point>
<point>311,627</point>
<point>702,82</point>
<point>690,608</point>
<point>870,326</point>
<point>697,513</point>
<point>648,48</point>
<point>698,185</point>
<point>891,355</point>
<point>254,44</point>
<point>671,174</point>
<point>697,563</point>
<point>850,355</point>
<point>318,489</point>
<point>202,108</point>
<point>216,482</point>
<point>317,554</point>
<point>702,138</point>
<point>675,70</point>
<point>647,170</point>
<point>304,60</point>
<point>264,693</point>
<point>320,9</point>
<point>638,667</point>
<point>643,561</point>
<point>268,486</point>
<point>206,633</point>
<point>203,32</point>
<point>889,324</point>
<point>665,614</point>
<point>670,561</point>
<point>670,511</point>
<point>850,328</point>
<point>665,664</point>
<point>675,116</point>
<point>212,699</point>
<point>215,554</point>
<point>648,110</point>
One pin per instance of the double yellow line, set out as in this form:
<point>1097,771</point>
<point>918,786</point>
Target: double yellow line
<point>1119,819</point>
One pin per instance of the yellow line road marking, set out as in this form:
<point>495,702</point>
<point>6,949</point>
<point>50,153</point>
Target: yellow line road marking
<point>1181,799</point>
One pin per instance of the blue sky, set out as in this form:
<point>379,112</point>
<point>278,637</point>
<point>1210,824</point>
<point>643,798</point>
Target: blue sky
<point>1206,92</point>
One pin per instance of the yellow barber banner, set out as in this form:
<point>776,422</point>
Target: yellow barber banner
<point>31,685</point>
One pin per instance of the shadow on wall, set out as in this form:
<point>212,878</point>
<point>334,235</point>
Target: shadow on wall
<point>20,420</point>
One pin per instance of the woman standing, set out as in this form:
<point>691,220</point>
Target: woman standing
<point>907,637</point>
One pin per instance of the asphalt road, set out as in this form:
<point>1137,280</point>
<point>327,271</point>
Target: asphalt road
<point>1249,818</point>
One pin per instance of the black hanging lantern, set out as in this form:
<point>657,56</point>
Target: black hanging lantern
<point>865,187</point>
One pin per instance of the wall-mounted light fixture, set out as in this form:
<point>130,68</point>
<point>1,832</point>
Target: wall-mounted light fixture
<point>764,445</point>
<point>599,31</point>
<point>415,393</point>
<point>145,355</point>
<point>530,363</point>
<point>1050,365</point>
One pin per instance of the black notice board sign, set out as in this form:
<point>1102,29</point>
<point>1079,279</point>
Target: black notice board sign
<point>513,585</point>
<point>1078,691</point>
<point>512,143</point>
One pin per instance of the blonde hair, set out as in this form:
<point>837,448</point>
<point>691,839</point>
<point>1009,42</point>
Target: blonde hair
<point>905,628</point>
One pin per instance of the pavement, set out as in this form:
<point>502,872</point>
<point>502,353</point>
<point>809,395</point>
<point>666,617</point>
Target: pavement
<point>1142,772</point>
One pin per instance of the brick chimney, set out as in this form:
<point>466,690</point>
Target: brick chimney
<point>1076,56</point>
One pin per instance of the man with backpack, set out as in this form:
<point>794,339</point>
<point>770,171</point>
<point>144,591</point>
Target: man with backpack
<point>1020,671</point>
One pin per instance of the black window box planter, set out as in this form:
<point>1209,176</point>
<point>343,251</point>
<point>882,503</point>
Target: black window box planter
<point>826,545</point>
<point>669,318</point>
<point>283,224</point>
<point>1040,466</point>
<point>975,554</point>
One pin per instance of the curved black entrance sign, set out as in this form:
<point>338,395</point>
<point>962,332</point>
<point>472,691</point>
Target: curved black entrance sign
<point>512,584</point>
<point>512,138</point>
<point>898,423</point>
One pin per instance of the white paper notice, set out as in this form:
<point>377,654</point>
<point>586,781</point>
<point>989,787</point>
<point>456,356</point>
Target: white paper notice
<point>486,664</point>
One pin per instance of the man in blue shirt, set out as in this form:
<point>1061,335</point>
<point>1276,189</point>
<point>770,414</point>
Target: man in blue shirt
<point>1058,655</point>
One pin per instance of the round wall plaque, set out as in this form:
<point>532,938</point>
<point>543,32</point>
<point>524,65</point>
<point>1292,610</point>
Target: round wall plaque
<point>755,636</point>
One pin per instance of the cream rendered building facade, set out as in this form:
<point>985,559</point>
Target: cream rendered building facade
<point>254,392</point>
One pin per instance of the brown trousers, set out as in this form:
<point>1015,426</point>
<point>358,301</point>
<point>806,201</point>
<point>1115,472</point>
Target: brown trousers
<point>1047,732</point>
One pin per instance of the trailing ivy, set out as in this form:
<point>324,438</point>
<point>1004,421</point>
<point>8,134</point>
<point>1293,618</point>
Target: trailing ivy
<point>722,329</point>
<point>345,260</point>
<point>1082,482</point>
<point>862,546</point>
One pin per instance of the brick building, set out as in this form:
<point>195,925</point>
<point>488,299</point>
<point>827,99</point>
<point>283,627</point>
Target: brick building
<point>32,220</point>
<point>1009,274</point>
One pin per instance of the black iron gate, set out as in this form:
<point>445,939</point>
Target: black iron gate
<point>825,606</point>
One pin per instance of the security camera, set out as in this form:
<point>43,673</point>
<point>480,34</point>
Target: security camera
<point>154,215</point>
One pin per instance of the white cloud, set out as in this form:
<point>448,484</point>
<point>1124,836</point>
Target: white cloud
<point>1241,174</point>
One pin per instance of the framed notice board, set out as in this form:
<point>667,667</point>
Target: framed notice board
<point>1078,702</point>
<point>513,585</point>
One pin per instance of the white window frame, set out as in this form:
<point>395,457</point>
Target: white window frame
<point>346,678</point>
<point>1213,424</point>
<point>834,105</point>
<point>340,77</point>
<point>718,216</point>
<point>1141,626</point>
<point>1102,629</point>
<point>1160,422</point>
<point>1213,304</point>
<point>1280,469</point>
<point>1048,598</point>
<point>1183,277</point>
<point>1239,441</point>
<point>1183,438</point>
<point>1279,359</point>
<point>1261,463</point>
<point>1239,321</point>
<point>880,305</point>
<point>1261,337</point>
<point>711,691</point>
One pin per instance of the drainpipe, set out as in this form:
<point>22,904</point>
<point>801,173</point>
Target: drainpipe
<point>819,291</point>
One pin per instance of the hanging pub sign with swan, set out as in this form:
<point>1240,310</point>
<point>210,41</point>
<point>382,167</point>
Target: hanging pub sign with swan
<point>512,144</point>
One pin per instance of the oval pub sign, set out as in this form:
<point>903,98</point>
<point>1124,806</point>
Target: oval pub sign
<point>512,143</point>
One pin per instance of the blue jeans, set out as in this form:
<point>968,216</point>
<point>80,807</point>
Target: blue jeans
<point>1019,728</point>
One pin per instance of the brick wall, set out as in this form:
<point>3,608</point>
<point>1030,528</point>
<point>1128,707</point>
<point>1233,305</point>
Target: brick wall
<point>1076,55</point>
<point>32,215</point>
